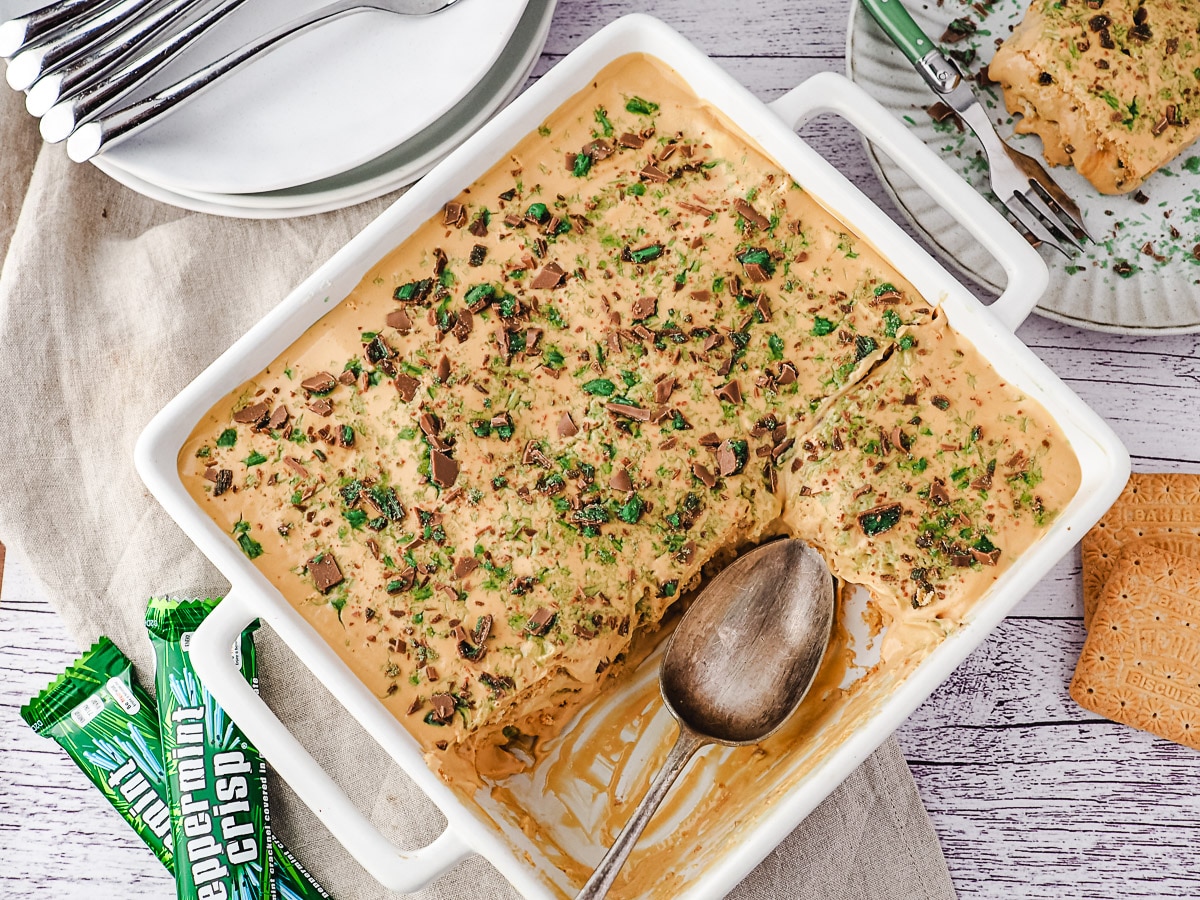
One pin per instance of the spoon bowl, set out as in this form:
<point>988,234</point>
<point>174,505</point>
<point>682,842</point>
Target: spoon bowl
<point>740,661</point>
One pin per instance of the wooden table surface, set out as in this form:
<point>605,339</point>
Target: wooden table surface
<point>1032,796</point>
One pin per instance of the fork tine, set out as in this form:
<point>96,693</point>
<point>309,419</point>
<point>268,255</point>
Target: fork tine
<point>1065,208</point>
<point>1032,224</point>
<point>1070,217</point>
<point>1033,200</point>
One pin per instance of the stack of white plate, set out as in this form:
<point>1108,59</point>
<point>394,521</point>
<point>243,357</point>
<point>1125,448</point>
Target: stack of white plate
<point>351,110</point>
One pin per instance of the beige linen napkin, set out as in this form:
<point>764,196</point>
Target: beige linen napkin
<point>110,304</point>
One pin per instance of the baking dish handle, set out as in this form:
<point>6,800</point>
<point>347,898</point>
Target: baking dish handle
<point>404,871</point>
<point>829,92</point>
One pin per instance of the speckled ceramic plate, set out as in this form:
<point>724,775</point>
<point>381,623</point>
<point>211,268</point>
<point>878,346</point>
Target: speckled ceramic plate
<point>1140,277</point>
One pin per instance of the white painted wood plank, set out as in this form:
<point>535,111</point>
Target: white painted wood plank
<point>1033,796</point>
<point>59,838</point>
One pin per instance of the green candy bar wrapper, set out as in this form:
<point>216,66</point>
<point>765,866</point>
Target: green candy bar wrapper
<point>109,726</point>
<point>116,732</point>
<point>216,779</point>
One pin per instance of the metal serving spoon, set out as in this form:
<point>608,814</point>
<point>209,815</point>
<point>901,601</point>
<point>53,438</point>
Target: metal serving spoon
<point>739,663</point>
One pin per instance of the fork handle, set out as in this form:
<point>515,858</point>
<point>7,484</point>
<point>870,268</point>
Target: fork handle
<point>898,25</point>
<point>96,136</point>
<point>18,32</point>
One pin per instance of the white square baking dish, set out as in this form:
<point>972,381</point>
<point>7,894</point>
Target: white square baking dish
<point>753,821</point>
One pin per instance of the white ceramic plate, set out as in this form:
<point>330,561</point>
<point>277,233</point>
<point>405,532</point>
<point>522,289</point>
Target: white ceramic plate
<point>327,101</point>
<point>398,166</point>
<point>1156,295</point>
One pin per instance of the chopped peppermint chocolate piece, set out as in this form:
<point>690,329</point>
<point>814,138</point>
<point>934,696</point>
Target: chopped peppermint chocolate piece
<point>322,406</point>
<point>478,226</point>
<point>407,386</point>
<point>787,374</point>
<point>710,440</point>
<point>731,392</point>
<point>255,415</point>
<point>728,461</point>
<point>224,482</point>
<point>296,466</point>
<point>280,417</point>
<point>751,215</point>
<point>443,369</point>
<point>567,426</point>
<point>321,383</point>
<point>620,481</point>
<point>702,472</point>
<point>599,149</point>
<point>464,566</point>
<point>324,571</point>
<point>644,307</point>
<point>757,273</point>
<point>663,388</point>
<point>429,424</point>
<point>399,320</point>
<point>628,411</point>
<point>551,276</point>
<point>541,621</point>
<point>444,469</point>
<point>533,456</point>
<point>443,707</point>
<point>463,325</point>
<point>454,214</point>
<point>653,173</point>
<point>631,141</point>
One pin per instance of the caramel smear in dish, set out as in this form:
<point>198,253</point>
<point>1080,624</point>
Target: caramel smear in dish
<point>632,348</point>
<point>1109,87</point>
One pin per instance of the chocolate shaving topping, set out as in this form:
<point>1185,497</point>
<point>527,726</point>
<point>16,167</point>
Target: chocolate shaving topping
<point>730,392</point>
<point>407,386</point>
<point>702,472</point>
<point>551,276</point>
<point>541,621</point>
<point>751,215</point>
<point>324,571</point>
<point>620,481</point>
<point>567,426</point>
<point>255,414</point>
<point>400,321</point>
<point>444,470</point>
<point>630,412</point>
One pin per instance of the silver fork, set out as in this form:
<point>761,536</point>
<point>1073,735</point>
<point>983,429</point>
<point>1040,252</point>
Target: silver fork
<point>90,138</point>
<point>1031,196</point>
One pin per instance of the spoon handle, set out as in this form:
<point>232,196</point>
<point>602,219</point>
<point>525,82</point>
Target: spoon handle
<point>602,879</point>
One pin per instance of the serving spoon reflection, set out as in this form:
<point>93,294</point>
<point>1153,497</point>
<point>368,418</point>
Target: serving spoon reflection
<point>739,663</point>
